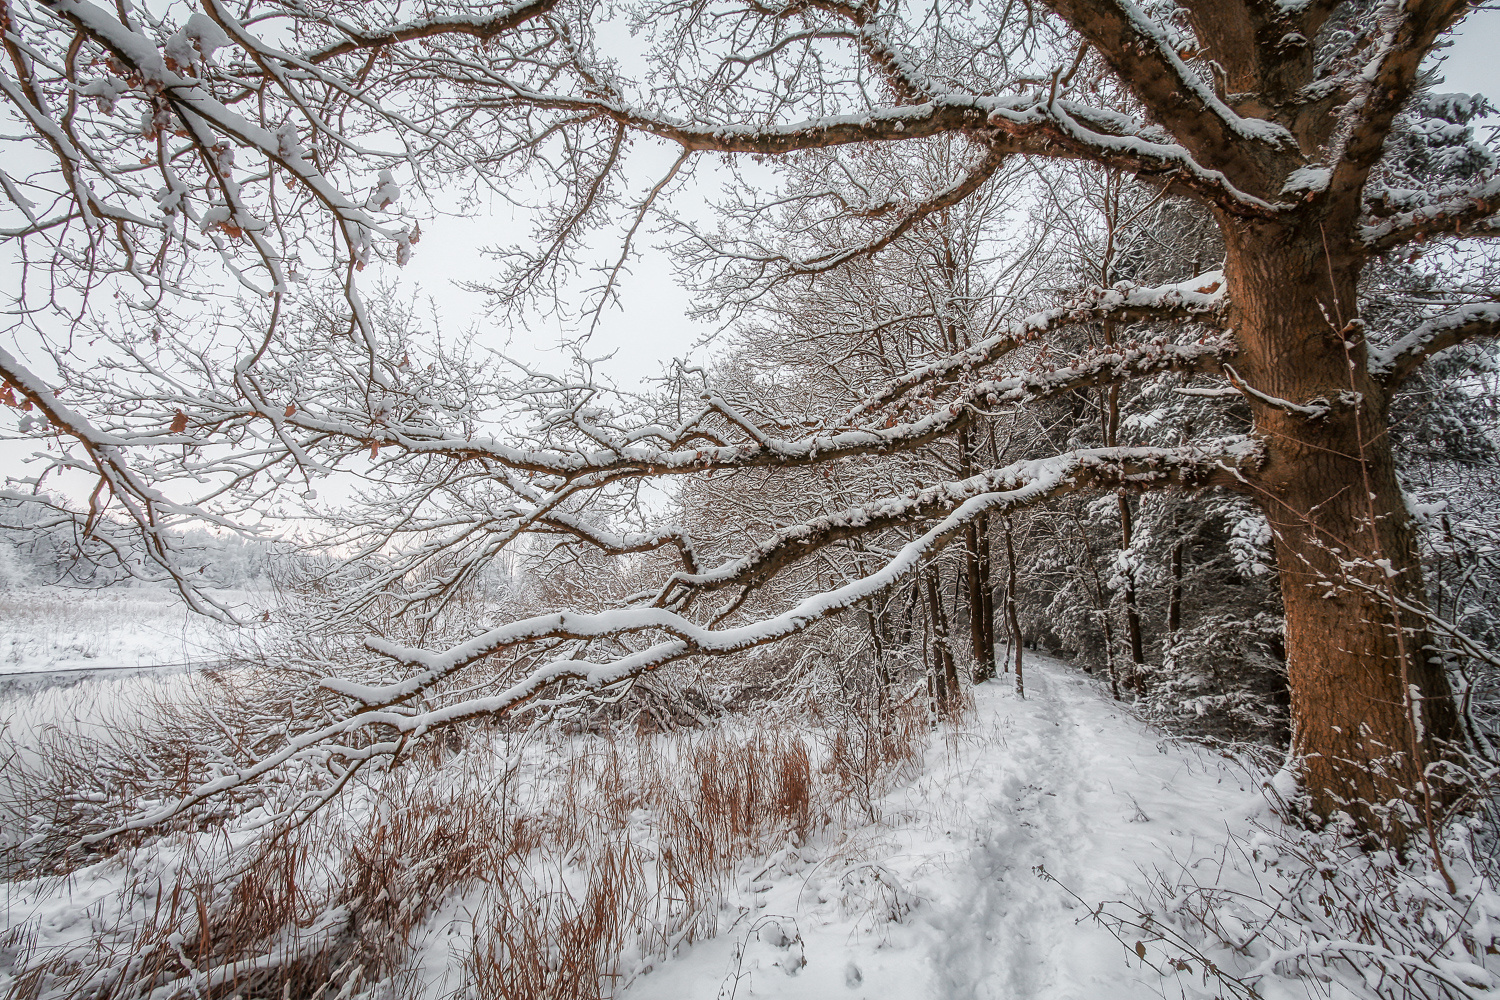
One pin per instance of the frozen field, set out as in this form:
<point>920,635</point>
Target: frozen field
<point>47,629</point>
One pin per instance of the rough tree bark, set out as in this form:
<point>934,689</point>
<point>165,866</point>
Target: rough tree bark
<point>1364,689</point>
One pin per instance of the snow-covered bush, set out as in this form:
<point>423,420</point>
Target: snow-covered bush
<point>1291,912</point>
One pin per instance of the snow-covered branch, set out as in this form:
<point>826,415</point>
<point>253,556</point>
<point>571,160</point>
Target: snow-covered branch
<point>151,511</point>
<point>1199,300</point>
<point>389,716</point>
<point>1139,51</point>
<point>1478,321</point>
<point>1405,216</point>
<point>617,544</point>
<point>1385,83</point>
<point>992,160</point>
<point>607,455</point>
<point>483,28</point>
<point>1131,469</point>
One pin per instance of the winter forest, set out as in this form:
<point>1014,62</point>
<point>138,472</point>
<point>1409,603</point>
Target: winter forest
<point>959,498</point>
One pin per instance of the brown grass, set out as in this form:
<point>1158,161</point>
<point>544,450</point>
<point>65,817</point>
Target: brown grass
<point>542,941</point>
<point>586,862</point>
<point>868,747</point>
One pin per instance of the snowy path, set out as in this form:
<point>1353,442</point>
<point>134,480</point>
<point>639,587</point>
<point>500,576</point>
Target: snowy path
<point>1065,779</point>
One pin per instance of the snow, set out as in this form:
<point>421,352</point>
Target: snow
<point>979,872</point>
<point>205,34</point>
<point>55,629</point>
<point>1065,782</point>
<point>385,194</point>
<point>1307,179</point>
<point>105,91</point>
<point>195,42</point>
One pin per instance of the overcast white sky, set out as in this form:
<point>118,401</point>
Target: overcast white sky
<point>1470,66</point>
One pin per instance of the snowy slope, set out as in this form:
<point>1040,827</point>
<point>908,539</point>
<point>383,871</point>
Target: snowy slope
<point>1065,781</point>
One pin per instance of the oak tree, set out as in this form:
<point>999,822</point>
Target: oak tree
<point>156,163</point>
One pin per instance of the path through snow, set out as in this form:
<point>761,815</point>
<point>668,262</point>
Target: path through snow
<point>1066,780</point>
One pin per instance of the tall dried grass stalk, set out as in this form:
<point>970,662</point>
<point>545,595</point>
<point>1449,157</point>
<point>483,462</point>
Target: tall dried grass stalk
<point>584,862</point>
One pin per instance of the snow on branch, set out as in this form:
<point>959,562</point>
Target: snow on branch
<point>387,721</point>
<point>909,82</point>
<point>1139,51</point>
<point>1034,124</point>
<point>1199,300</point>
<point>608,454</point>
<point>198,108</point>
<point>1386,81</point>
<point>482,28</point>
<point>1404,216</point>
<point>992,160</point>
<point>150,510</point>
<point>1476,321</point>
<point>616,544</point>
<point>1135,469</point>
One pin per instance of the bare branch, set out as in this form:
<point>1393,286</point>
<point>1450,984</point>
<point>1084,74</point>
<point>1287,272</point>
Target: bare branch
<point>483,29</point>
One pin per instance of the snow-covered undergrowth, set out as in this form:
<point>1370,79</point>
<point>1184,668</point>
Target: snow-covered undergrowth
<point>61,628</point>
<point>1052,847</point>
<point>1289,913</point>
<point>499,864</point>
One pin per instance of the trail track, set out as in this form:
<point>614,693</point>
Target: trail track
<point>1065,781</point>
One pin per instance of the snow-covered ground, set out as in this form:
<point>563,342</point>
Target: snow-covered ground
<point>981,873</point>
<point>961,886</point>
<point>1064,782</point>
<point>58,628</point>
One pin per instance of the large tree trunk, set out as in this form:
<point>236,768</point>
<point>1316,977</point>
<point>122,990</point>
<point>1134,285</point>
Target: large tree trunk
<point>1370,709</point>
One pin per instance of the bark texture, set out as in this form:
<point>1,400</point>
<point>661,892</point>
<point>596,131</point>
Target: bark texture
<point>1370,710</point>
